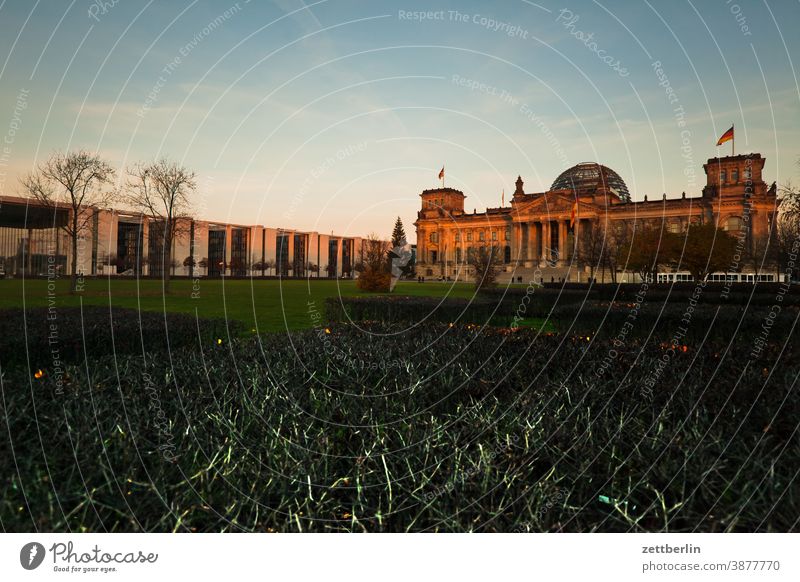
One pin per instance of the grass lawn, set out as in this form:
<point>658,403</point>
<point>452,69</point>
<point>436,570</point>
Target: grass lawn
<point>269,305</point>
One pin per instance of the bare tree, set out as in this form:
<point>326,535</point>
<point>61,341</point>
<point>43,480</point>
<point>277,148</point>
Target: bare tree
<point>706,249</point>
<point>762,252</point>
<point>162,190</point>
<point>486,262</point>
<point>375,252</point>
<point>593,247</point>
<point>651,247</point>
<point>787,234</point>
<point>375,269</point>
<point>190,263</point>
<point>75,180</point>
<point>618,239</point>
<point>787,225</point>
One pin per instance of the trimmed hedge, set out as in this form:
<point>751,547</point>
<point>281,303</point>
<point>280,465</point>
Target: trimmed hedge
<point>537,301</point>
<point>496,306</point>
<point>404,309</point>
<point>665,320</point>
<point>68,334</point>
<point>713,293</point>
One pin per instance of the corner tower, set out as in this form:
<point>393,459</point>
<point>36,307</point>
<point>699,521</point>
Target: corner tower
<point>734,176</point>
<point>442,202</point>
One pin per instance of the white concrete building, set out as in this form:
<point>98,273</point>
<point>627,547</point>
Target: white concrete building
<point>125,243</point>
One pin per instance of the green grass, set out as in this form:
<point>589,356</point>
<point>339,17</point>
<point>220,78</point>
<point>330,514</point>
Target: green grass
<point>268,305</point>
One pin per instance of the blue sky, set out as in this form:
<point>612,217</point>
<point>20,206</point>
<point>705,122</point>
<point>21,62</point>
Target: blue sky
<point>334,115</point>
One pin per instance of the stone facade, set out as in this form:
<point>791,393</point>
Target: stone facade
<point>536,232</point>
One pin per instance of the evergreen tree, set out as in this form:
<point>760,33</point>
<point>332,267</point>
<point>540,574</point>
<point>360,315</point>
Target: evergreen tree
<point>399,234</point>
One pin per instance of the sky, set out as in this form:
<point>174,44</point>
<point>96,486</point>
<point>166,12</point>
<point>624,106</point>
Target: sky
<point>334,115</point>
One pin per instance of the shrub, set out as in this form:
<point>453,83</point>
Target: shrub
<point>374,280</point>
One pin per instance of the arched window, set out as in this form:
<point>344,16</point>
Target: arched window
<point>675,227</point>
<point>481,235</point>
<point>734,224</point>
<point>458,236</point>
<point>723,175</point>
<point>494,235</point>
<point>469,236</point>
<point>734,175</point>
<point>748,172</point>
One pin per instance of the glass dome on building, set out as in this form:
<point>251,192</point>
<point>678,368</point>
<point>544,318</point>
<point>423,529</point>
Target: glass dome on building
<point>587,176</point>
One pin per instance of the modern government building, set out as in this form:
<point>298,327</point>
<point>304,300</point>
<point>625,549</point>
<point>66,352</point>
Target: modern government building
<point>538,236</point>
<point>32,243</point>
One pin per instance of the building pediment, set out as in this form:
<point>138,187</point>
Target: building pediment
<point>553,206</point>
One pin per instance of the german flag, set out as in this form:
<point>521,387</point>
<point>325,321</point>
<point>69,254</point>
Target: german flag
<point>574,214</point>
<point>441,174</point>
<point>727,136</point>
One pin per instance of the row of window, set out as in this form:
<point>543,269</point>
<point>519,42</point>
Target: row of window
<point>732,224</point>
<point>434,236</point>
<point>434,255</point>
<point>723,174</point>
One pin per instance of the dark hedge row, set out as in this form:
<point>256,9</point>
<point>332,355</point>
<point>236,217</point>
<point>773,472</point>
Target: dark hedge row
<point>68,333</point>
<point>713,293</point>
<point>439,429</point>
<point>684,320</point>
<point>580,311</point>
<point>403,309</point>
<point>536,301</point>
<point>497,306</point>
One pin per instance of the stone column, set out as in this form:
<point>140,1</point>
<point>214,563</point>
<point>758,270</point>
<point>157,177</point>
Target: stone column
<point>543,250</point>
<point>517,253</point>
<point>531,248</point>
<point>339,249</point>
<point>445,248</point>
<point>563,251</point>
